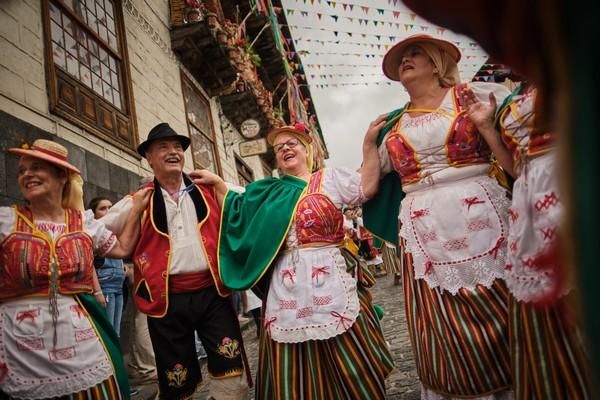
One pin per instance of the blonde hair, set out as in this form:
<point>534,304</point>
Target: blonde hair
<point>447,68</point>
<point>72,196</point>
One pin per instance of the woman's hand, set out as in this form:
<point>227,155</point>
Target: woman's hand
<point>205,177</point>
<point>374,129</point>
<point>140,200</point>
<point>482,114</point>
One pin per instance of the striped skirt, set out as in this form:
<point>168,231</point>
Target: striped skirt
<point>391,261</point>
<point>460,342</point>
<point>107,390</point>
<point>353,365</point>
<point>548,357</point>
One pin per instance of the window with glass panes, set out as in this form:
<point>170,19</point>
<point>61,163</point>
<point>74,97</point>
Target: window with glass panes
<point>87,67</point>
<point>244,172</point>
<point>200,126</point>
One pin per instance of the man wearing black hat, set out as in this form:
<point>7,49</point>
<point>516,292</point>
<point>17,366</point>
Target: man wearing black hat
<point>176,280</point>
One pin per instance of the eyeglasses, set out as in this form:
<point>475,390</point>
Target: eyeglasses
<point>278,148</point>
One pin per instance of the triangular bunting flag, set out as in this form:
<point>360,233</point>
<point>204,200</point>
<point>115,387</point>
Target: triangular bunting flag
<point>345,6</point>
<point>365,9</point>
<point>335,17</point>
<point>413,16</point>
<point>396,14</point>
<point>381,11</point>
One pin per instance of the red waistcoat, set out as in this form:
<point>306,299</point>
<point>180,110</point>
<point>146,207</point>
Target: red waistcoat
<point>27,254</point>
<point>152,254</point>
<point>464,145</point>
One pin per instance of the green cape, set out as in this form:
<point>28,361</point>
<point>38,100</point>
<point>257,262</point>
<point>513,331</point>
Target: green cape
<point>380,214</point>
<point>254,225</point>
<point>109,338</point>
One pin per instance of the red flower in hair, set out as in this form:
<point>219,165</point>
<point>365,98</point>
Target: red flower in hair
<point>300,127</point>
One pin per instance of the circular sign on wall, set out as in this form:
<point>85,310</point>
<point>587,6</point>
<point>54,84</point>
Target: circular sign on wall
<point>250,128</point>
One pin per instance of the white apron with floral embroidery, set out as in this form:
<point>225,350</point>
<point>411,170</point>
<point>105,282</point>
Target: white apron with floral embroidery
<point>24,341</point>
<point>31,366</point>
<point>311,295</point>
<point>453,217</point>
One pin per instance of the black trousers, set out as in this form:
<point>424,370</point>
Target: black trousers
<point>173,340</point>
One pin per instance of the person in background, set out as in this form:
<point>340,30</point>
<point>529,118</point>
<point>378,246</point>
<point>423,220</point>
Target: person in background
<point>110,271</point>
<point>251,304</point>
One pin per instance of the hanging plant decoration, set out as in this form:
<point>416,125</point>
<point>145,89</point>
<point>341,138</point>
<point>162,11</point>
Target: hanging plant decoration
<point>194,11</point>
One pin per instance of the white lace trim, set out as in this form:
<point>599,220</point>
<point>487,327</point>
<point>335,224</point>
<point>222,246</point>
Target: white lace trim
<point>466,274</point>
<point>82,380</point>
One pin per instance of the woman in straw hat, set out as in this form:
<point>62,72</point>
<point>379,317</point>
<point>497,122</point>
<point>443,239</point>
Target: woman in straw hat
<point>453,223</point>
<point>55,338</point>
<point>549,358</point>
<point>321,336</point>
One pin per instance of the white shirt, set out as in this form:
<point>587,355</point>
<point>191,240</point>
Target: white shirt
<point>187,251</point>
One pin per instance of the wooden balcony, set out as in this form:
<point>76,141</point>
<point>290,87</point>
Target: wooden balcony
<point>203,56</point>
<point>241,106</point>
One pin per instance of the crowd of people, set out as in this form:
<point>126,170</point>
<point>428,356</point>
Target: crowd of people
<point>457,196</point>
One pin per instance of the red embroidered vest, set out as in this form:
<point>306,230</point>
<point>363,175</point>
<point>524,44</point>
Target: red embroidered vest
<point>464,146</point>
<point>536,141</point>
<point>27,256</point>
<point>152,254</point>
<point>318,220</point>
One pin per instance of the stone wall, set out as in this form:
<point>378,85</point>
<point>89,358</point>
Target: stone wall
<point>157,97</point>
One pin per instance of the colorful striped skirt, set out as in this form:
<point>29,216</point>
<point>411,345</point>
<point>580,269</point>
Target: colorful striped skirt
<point>353,365</point>
<point>460,342</point>
<point>391,261</point>
<point>548,353</point>
<point>106,390</point>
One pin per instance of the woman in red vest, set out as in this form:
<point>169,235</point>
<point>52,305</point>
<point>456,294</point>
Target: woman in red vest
<point>55,339</point>
<point>454,223</point>
<point>548,355</point>
<point>284,236</point>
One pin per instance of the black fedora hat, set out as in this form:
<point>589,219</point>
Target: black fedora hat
<point>162,131</point>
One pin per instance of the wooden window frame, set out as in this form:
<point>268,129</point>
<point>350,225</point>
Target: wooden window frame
<point>213,139</point>
<point>72,100</point>
<point>240,160</point>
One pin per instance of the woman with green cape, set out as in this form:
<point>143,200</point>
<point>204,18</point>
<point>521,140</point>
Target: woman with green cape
<point>321,335</point>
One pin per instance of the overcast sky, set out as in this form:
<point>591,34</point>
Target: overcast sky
<point>363,32</point>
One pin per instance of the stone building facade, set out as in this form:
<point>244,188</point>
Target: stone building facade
<point>96,76</point>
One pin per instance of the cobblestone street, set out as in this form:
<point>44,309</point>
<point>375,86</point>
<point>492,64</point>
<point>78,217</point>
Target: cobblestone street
<point>402,384</point>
